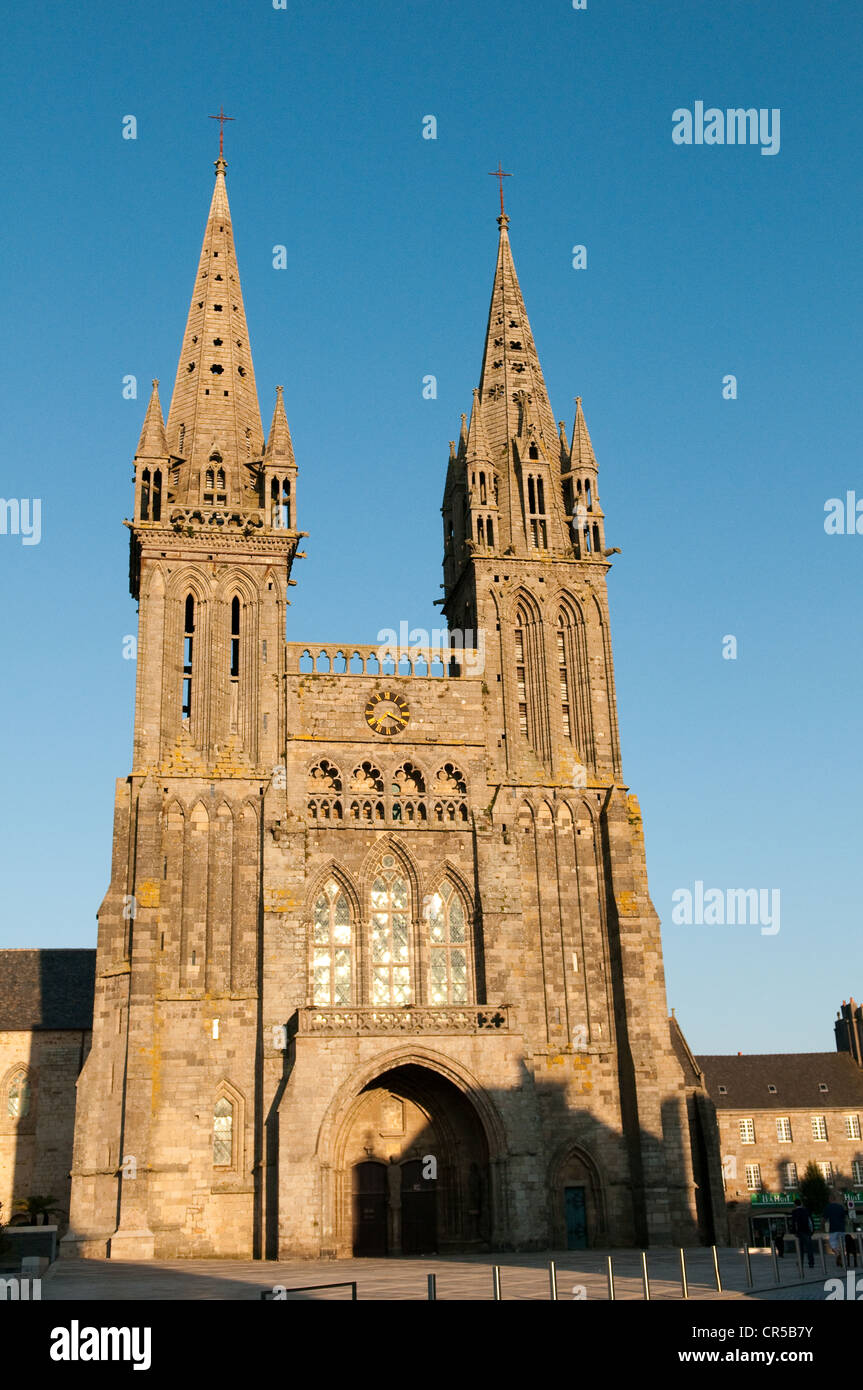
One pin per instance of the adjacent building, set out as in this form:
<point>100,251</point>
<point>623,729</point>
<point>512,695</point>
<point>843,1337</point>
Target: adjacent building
<point>778,1112</point>
<point>46,1017</point>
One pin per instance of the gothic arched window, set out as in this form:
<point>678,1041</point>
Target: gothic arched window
<point>223,1133</point>
<point>521,675</point>
<point>188,643</point>
<point>564,648</point>
<point>448,947</point>
<point>391,908</point>
<point>18,1096</point>
<point>235,664</point>
<point>333,949</point>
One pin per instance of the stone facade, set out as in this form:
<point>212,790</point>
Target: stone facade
<point>377,966</point>
<point>46,1002</point>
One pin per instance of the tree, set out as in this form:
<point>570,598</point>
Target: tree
<point>39,1206</point>
<point>814,1189</point>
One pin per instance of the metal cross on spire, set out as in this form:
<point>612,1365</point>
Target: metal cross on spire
<point>498,173</point>
<point>222,118</point>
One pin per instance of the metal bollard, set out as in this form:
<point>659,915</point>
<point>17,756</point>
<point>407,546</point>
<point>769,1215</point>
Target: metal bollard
<point>684,1287</point>
<point>610,1277</point>
<point>747,1265</point>
<point>432,1287</point>
<point>821,1244</point>
<point>716,1269</point>
<point>776,1274</point>
<point>798,1247</point>
<point>645,1278</point>
<point>552,1281</point>
<point>495,1282</point>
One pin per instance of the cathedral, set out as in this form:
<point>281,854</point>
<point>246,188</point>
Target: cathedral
<point>377,968</point>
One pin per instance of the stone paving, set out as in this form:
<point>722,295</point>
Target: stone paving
<point>523,1277</point>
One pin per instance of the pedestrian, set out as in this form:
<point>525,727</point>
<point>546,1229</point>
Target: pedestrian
<point>834,1221</point>
<point>803,1226</point>
<point>779,1239</point>
<point>850,1250</point>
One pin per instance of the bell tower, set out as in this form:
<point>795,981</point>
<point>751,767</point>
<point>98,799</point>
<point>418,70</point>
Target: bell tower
<point>212,540</point>
<point>213,536</point>
<point>524,558</point>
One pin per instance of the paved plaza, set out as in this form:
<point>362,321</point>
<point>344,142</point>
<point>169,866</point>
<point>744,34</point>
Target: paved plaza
<point>522,1277</point>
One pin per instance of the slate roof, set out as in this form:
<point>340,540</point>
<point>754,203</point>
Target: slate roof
<point>796,1076</point>
<point>46,989</point>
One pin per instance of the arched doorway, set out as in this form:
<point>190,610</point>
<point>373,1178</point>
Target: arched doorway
<point>578,1212</point>
<point>416,1156</point>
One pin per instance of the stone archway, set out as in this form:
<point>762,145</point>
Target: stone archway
<point>578,1202</point>
<point>412,1137</point>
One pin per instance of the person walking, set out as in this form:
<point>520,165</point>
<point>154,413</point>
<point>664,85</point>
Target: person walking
<point>834,1221</point>
<point>802,1226</point>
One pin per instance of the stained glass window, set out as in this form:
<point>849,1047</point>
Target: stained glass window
<point>448,947</point>
<point>223,1134</point>
<point>18,1097</point>
<point>332,967</point>
<point>391,906</point>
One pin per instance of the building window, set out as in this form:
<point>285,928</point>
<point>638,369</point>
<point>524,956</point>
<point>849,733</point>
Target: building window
<point>747,1131</point>
<point>723,1090</point>
<point>333,958</point>
<point>857,1172</point>
<point>391,906</point>
<point>537,525</point>
<point>563,674</point>
<point>448,946</point>
<point>826,1170</point>
<point>235,664</point>
<point>520,679</point>
<point>852,1126</point>
<point>753,1177</point>
<point>188,643</point>
<point>783,1130</point>
<point>819,1127</point>
<point>789,1176</point>
<point>280,503</point>
<point>18,1096</point>
<point>823,1088</point>
<point>223,1133</point>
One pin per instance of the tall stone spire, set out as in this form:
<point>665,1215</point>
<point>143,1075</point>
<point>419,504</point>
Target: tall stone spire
<point>214,409</point>
<point>510,362</point>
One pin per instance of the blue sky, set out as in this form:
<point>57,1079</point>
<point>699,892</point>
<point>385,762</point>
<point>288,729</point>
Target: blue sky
<point>702,261</point>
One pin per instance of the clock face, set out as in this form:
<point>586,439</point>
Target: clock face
<point>387,712</point>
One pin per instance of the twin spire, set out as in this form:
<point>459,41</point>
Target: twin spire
<point>510,363</point>
<point>214,421</point>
